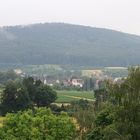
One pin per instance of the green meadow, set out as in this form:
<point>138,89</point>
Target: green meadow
<point>68,96</point>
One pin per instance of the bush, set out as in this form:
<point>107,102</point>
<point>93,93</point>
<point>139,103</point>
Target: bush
<point>39,124</point>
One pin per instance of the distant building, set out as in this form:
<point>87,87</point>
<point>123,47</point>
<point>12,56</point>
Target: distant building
<point>77,82</point>
<point>50,80</point>
<point>119,80</point>
<point>18,71</point>
<point>45,81</point>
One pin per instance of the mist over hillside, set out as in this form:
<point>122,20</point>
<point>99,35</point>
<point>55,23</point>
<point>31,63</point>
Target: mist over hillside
<point>66,44</point>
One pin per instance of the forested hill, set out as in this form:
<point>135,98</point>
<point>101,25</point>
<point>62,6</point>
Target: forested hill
<point>58,43</point>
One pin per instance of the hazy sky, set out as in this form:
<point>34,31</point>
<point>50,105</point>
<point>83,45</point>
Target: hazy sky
<point>122,15</point>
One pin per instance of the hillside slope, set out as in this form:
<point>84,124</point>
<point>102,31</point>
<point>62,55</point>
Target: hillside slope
<point>57,43</point>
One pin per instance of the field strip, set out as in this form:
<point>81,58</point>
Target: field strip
<point>79,97</point>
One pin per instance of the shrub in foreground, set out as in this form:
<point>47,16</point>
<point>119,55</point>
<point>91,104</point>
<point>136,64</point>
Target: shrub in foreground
<point>40,124</point>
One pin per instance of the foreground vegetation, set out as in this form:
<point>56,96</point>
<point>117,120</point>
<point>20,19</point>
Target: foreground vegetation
<point>39,124</point>
<point>118,117</point>
<point>114,115</point>
<point>1,121</point>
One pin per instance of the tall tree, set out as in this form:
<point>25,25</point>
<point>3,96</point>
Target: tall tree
<point>22,95</point>
<point>127,105</point>
<point>44,96</point>
<point>14,98</point>
<point>120,119</point>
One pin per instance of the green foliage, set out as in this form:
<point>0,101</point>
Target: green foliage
<point>14,98</point>
<point>26,94</point>
<point>1,121</point>
<point>121,119</point>
<point>103,119</point>
<point>69,96</point>
<point>38,125</point>
<point>101,95</point>
<point>80,104</point>
<point>44,96</point>
<point>96,134</point>
<point>127,97</point>
<point>83,112</point>
<point>8,75</point>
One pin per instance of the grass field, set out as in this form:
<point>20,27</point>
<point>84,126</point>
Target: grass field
<point>68,96</point>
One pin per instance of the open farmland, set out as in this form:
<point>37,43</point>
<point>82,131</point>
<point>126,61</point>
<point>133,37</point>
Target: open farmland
<point>68,96</point>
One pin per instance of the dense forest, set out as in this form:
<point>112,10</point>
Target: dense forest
<point>58,43</point>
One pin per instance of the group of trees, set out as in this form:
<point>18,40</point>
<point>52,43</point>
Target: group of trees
<point>39,124</point>
<point>115,114</point>
<point>119,115</point>
<point>26,94</point>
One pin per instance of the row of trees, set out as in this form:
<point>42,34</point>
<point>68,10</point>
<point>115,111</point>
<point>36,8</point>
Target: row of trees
<point>25,94</point>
